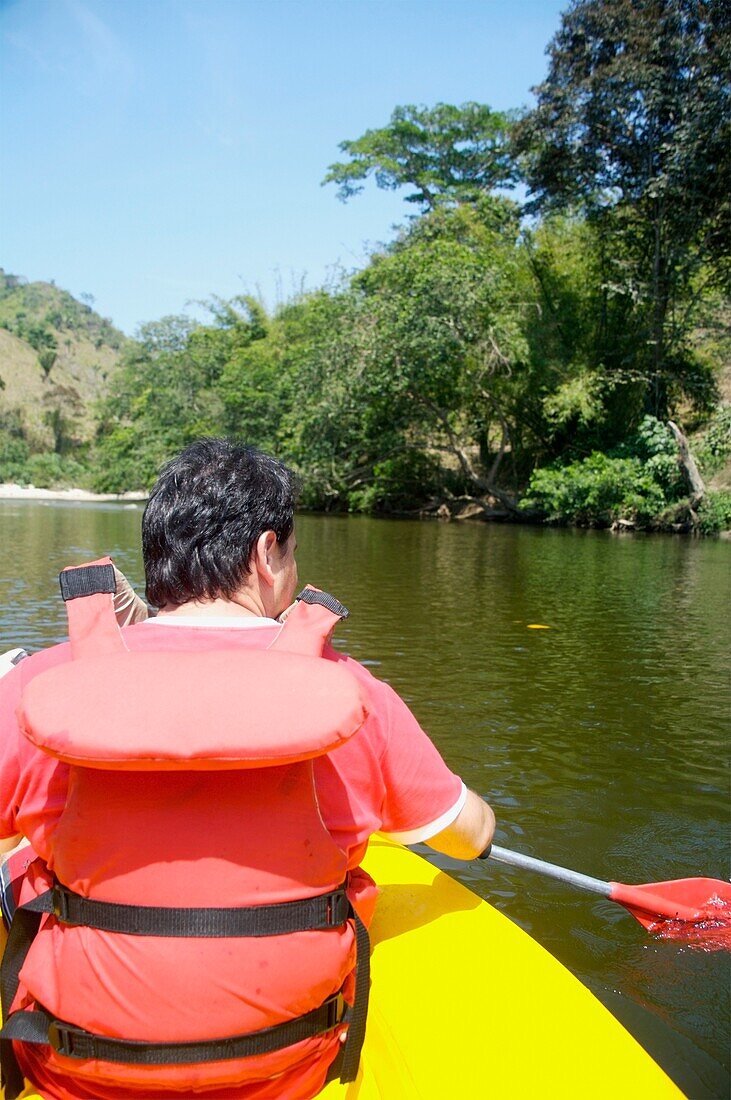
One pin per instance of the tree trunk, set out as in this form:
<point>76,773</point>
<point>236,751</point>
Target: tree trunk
<point>503,447</point>
<point>659,312</point>
<point>460,453</point>
<point>688,465</point>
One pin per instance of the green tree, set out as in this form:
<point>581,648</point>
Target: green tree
<point>447,154</point>
<point>63,409</point>
<point>402,377</point>
<point>166,393</point>
<point>313,398</point>
<point>47,359</point>
<point>633,126</point>
<point>584,392</point>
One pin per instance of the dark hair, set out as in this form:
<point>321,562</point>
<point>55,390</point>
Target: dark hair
<point>206,510</point>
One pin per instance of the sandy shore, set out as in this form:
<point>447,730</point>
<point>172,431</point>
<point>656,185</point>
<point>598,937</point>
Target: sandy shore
<point>9,491</point>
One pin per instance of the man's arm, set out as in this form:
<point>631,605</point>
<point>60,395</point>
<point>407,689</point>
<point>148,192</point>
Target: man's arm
<point>470,833</point>
<point>418,793</point>
<point>128,607</point>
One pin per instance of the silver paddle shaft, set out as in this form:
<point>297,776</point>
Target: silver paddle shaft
<point>584,882</point>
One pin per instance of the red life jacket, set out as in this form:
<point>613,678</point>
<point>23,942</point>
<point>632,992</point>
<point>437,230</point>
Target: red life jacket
<point>196,929</point>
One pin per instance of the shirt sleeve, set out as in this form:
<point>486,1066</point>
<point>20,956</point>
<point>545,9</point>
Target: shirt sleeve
<point>422,794</point>
<point>425,832</point>
<point>10,687</point>
<point>33,784</point>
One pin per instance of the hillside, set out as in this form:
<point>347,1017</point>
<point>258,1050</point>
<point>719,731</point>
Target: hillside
<point>56,356</point>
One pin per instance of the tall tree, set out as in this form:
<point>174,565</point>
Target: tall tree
<point>413,364</point>
<point>447,154</point>
<point>633,125</point>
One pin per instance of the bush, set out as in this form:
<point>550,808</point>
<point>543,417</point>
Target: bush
<point>596,491</point>
<point>637,481</point>
<point>52,471</point>
<point>715,444</point>
<point>13,456</point>
<point>714,513</point>
<point>44,471</point>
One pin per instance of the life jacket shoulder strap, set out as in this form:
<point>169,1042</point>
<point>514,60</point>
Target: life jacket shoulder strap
<point>314,597</point>
<point>87,580</point>
<point>309,625</point>
<point>88,592</point>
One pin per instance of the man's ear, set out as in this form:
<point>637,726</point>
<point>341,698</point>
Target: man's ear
<point>263,554</point>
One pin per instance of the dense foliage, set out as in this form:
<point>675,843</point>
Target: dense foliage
<point>519,362</point>
<point>633,128</point>
<point>635,482</point>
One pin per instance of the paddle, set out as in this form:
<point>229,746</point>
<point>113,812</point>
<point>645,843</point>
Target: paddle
<point>665,907</point>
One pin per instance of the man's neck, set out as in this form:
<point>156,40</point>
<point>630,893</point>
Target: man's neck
<point>244,604</point>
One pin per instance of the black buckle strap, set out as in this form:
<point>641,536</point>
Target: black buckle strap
<point>305,915</point>
<point>23,929</point>
<point>312,596</point>
<point>86,580</point>
<point>359,1012</point>
<point>41,1027</point>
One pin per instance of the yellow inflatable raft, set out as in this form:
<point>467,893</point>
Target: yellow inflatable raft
<point>466,1004</point>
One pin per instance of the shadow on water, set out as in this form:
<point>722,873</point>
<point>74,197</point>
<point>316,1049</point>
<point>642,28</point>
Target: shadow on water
<point>601,742</point>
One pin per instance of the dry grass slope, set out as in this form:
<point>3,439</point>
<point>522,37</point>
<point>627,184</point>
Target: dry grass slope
<point>87,349</point>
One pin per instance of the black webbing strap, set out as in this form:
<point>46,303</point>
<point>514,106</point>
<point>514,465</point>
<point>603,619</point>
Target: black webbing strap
<point>40,1026</point>
<point>305,915</point>
<point>23,930</point>
<point>310,595</point>
<point>87,580</point>
<point>359,1012</point>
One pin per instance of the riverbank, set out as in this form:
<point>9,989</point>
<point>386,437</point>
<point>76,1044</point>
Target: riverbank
<point>461,513</point>
<point>12,491</point>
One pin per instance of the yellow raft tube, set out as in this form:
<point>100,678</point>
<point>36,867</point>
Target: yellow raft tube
<point>465,1004</point>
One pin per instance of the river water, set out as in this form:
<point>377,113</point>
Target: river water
<point>601,742</point>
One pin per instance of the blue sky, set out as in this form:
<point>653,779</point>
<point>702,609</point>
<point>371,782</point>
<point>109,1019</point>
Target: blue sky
<point>156,152</point>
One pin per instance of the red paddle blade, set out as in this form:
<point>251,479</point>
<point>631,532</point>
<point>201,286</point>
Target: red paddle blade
<point>694,909</point>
